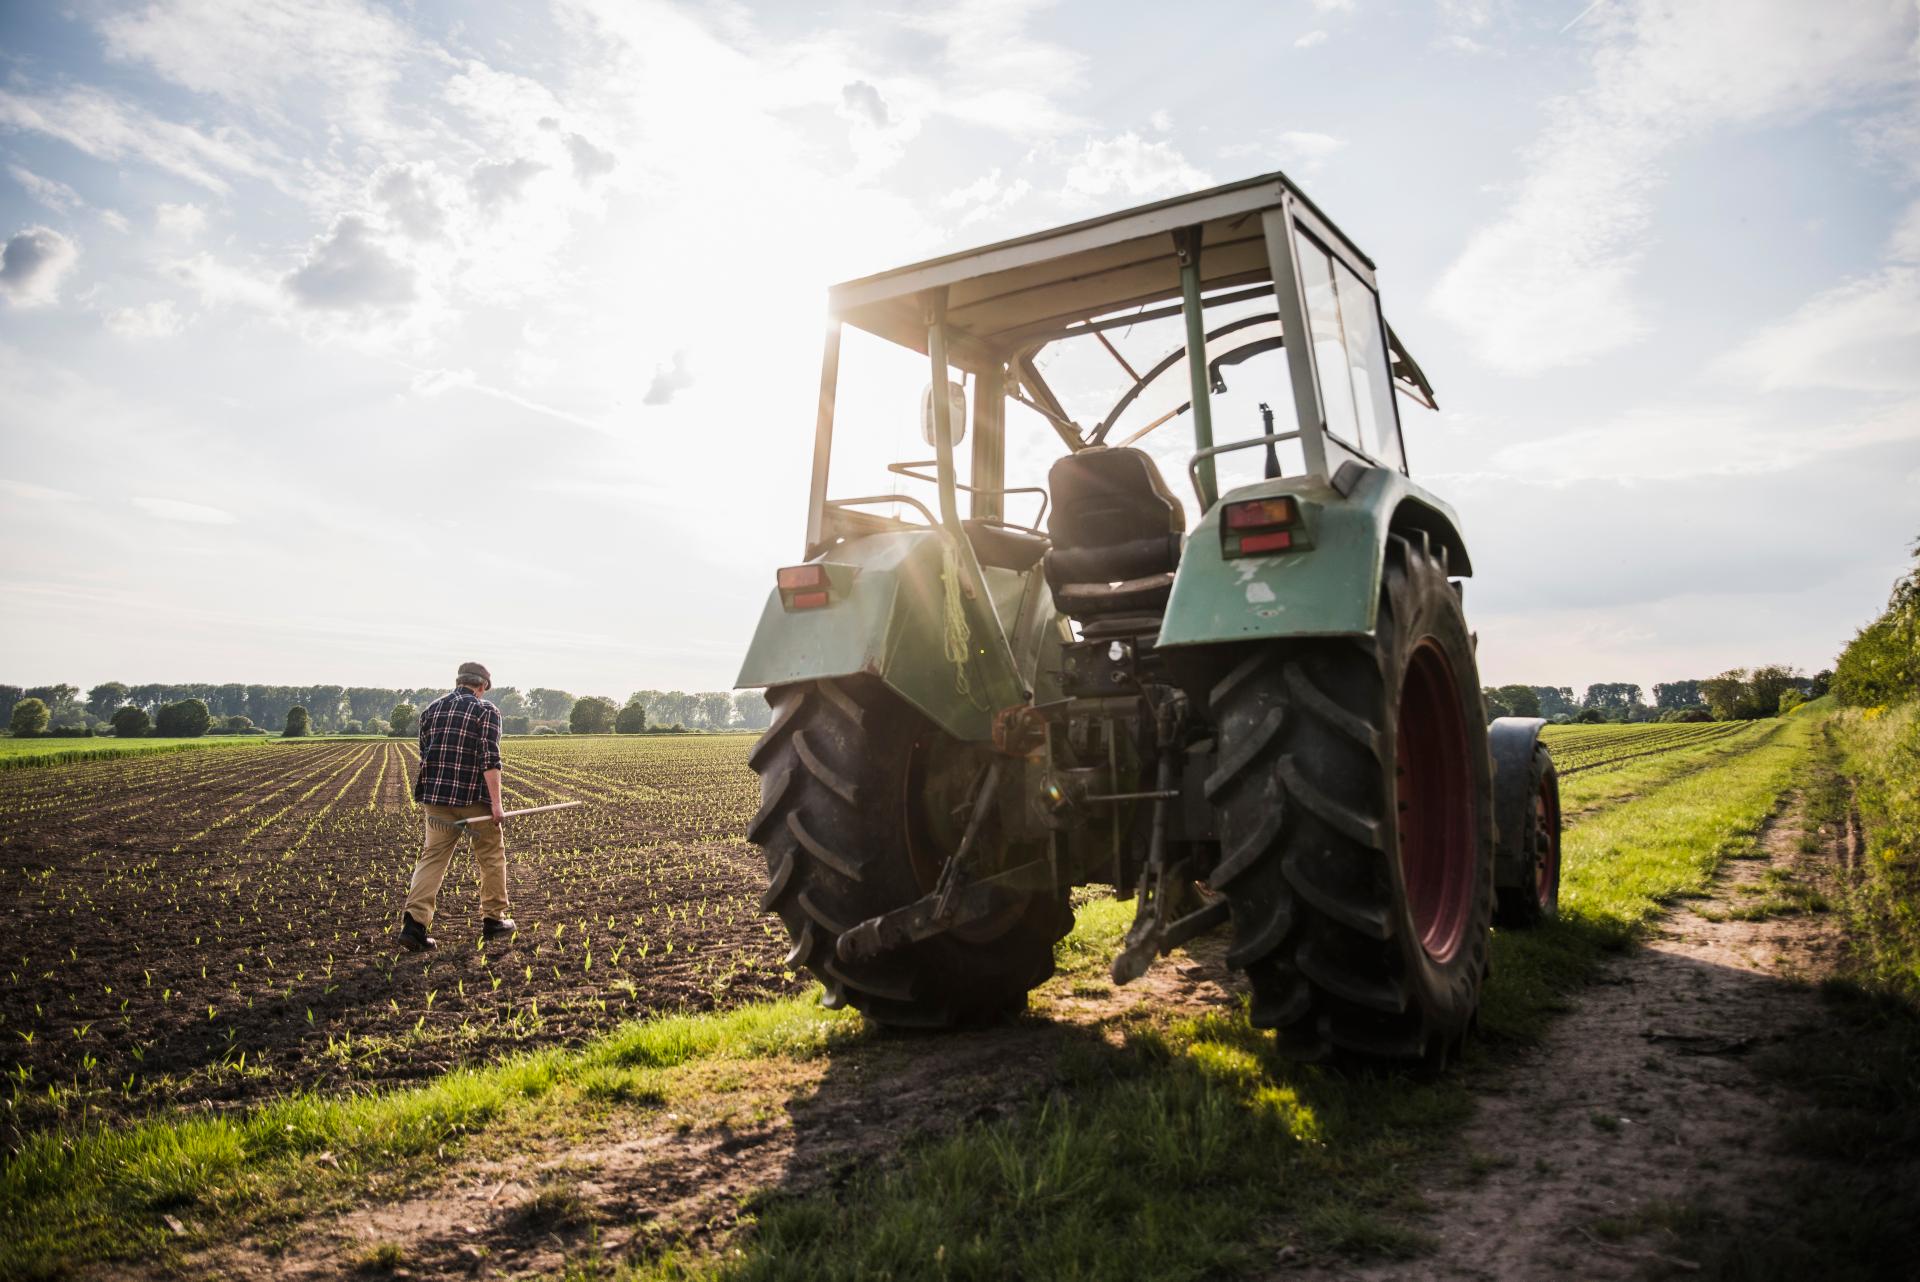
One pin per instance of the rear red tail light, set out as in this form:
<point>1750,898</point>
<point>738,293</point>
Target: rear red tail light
<point>797,578</point>
<point>1259,514</point>
<point>1259,527</point>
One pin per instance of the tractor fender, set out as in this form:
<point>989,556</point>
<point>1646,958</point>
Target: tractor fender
<point>1327,584</point>
<point>886,618</point>
<point>1511,741</point>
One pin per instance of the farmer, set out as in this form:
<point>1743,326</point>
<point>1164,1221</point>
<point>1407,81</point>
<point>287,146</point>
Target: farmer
<point>459,779</point>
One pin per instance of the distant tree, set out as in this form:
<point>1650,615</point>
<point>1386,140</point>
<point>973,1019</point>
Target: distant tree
<point>187,719</point>
<point>594,714</point>
<point>510,702</point>
<point>378,725</point>
<point>715,709</point>
<point>1765,687</point>
<point>1676,694</point>
<point>105,697</point>
<point>228,700</point>
<point>354,727</point>
<point>131,721</point>
<point>632,718</point>
<point>236,725</point>
<point>1728,696</point>
<point>403,720</point>
<point>30,717</point>
<point>324,705</point>
<point>9,695</point>
<point>298,725</point>
<point>1496,706</point>
<point>1820,683</point>
<point>752,709</point>
<point>550,705</point>
<point>671,707</point>
<point>1521,701</point>
<point>1614,698</point>
<point>521,724</point>
<point>55,697</point>
<point>1589,717</point>
<point>1555,701</point>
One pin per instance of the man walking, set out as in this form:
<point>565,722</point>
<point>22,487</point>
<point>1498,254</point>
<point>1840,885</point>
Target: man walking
<point>459,779</point>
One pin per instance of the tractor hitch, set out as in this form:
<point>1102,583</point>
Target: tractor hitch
<point>952,908</point>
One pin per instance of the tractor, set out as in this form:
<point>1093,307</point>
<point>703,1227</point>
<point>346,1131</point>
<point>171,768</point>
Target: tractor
<point>1257,712</point>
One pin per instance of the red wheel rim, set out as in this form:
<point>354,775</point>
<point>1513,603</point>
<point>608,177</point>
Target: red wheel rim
<point>1546,843</point>
<point>1436,803</point>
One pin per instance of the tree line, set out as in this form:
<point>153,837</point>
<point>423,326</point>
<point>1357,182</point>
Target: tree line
<point>1738,694</point>
<point>192,709</point>
<point>1881,665</point>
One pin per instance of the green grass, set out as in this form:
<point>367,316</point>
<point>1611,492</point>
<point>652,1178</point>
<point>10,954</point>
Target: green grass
<point>1160,1146</point>
<point>15,753</point>
<point>69,1197</point>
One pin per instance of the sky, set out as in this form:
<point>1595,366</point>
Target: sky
<point>342,341</point>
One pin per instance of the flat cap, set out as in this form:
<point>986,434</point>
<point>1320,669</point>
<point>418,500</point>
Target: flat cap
<point>478,671</point>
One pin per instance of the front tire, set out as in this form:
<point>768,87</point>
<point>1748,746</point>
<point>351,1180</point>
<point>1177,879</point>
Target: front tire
<point>846,828</point>
<point>1354,800</point>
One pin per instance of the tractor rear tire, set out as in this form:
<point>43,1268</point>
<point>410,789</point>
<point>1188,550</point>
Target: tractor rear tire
<point>1537,898</point>
<point>837,823</point>
<point>1354,800</point>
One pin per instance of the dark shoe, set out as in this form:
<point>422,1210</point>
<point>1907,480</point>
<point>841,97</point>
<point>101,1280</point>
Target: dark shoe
<point>413,936</point>
<point>495,927</point>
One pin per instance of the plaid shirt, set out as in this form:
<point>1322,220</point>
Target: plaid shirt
<point>459,739</point>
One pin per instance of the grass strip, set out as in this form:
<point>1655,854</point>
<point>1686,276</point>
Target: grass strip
<point>27,754</point>
<point>69,1197</point>
<point>1592,791</point>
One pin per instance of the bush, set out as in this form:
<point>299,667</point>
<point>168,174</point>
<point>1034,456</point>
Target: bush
<point>632,719</point>
<point>1789,700</point>
<point>353,727</point>
<point>236,725</point>
<point>30,717</point>
<point>376,726</point>
<point>70,732</point>
<point>1590,717</point>
<point>187,719</point>
<point>516,725</point>
<point>592,715</point>
<point>131,722</point>
<point>1881,665</point>
<point>298,724</point>
<point>404,720</point>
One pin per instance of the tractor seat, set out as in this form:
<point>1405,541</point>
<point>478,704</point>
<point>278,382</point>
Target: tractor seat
<point>1006,547</point>
<point>1117,532</point>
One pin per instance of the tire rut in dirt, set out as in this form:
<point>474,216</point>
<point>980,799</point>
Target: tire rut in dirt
<point>832,824</point>
<point>1311,856</point>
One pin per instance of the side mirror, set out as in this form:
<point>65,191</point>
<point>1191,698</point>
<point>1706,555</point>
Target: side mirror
<point>956,408</point>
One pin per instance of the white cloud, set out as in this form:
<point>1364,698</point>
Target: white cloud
<point>181,510</point>
<point>349,268</point>
<point>985,197</point>
<point>108,129</point>
<point>181,222</point>
<point>1308,148</point>
<point>1161,120</point>
<point>1462,44</point>
<point>1550,282</point>
<point>52,193</point>
<point>32,265</point>
<point>159,319</point>
<point>862,101</point>
<point>407,194</point>
<point>498,182</point>
<point>669,381</point>
<point>1680,441</point>
<point>1311,39</point>
<point>589,161</point>
<point>1129,165</point>
<point>1333,6</point>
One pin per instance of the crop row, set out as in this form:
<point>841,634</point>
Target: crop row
<point>1580,748</point>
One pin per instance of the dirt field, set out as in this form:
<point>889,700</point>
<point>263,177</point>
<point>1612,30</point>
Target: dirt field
<point>218,925</point>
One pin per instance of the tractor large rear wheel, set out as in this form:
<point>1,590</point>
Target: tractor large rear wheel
<point>861,800</point>
<point>1354,803</point>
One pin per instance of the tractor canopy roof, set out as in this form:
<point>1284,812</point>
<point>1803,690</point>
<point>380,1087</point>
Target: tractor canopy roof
<point>1007,299</point>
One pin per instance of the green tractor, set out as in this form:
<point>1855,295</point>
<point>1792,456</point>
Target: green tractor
<point>1258,713</point>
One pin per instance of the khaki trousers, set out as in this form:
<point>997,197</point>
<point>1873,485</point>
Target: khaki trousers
<point>489,854</point>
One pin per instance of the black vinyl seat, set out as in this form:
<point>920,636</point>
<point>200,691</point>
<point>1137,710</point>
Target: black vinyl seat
<point>1117,532</point>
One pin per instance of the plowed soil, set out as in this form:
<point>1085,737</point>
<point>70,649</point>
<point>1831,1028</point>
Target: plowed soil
<point>221,924</point>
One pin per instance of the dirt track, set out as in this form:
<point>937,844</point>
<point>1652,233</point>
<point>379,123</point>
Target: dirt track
<point>1642,1109</point>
